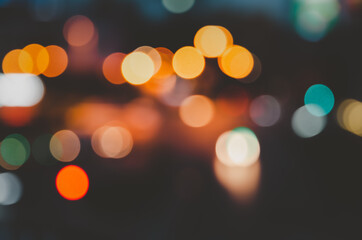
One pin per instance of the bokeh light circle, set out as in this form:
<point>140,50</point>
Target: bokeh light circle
<point>72,182</point>
<point>307,125</point>
<point>78,30</point>
<point>64,145</point>
<point>236,62</point>
<point>41,151</point>
<point>112,142</point>
<point>15,149</point>
<point>196,111</point>
<point>166,69</point>
<point>239,147</point>
<point>153,54</point>
<point>40,61</point>
<point>11,188</point>
<point>178,6</point>
<point>212,41</point>
<point>58,60</point>
<point>137,68</point>
<point>320,95</point>
<point>20,90</point>
<point>188,62</point>
<point>265,110</point>
<point>17,61</point>
<point>112,68</point>
<point>349,116</point>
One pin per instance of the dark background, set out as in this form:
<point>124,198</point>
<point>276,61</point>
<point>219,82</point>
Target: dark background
<point>310,188</point>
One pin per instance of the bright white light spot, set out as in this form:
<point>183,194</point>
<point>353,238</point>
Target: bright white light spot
<point>20,90</point>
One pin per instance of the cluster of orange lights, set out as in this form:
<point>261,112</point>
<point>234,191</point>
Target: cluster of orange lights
<point>51,61</point>
<point>147,64</point>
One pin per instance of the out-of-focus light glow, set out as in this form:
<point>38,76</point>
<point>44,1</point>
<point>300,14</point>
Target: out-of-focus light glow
<point>241,182</point>
<point>15,149</point>
<point>255,72</point>
<point>135,114</point>
<point>39,61</point>
<point>181,90</point>
<point>160,86</point>
<point>188,62</point>
<point>20,90</point>
<point>11,188</point>
<point>137,68</point>
<point>321,96</point>
<point>177,6</point>
<point>112,142</point>
<point>153,54</point>
<point>233,101</point>
<point>17,116</point>
<point>41,151</point>
<point>212,41</point>
<point>236,62</point>
<point>307,125</point>
<point>72,182</point>
<point>313,19</point>
<point>58,60</point>
<point>166,69</point>
<point>47,10</point>
<point>197,111</point>
<point>17,61</point>
<point>239,147</point>
<point>78,30</point>
<point>112,68</point>
<point>349,116</point>
<point>65,145</point>
<point>265,110</point>
<point>6,165</point>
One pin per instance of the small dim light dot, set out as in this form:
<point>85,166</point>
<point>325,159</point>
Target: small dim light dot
<point>58,60</point>
<point>236,62</point>
<point>177,6</point>
<point>40,61</point>
<point>78,30</point>
<point>72,182</point>
<point>265,110</point>
<point>112,68</point>
<point>17,61</point>
<point>196,111</point>
<point>188,62</point>
<point>64,145</point>
<point>212,41</point>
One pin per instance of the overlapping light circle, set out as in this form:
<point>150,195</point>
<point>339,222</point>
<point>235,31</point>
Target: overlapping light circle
<point>64,145</point>
<point>239,147</point>
<point>236,62</point>
<point>321,96</point>
<point>188,62</point>
<point>307,125</point>
<point>212,41</point>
